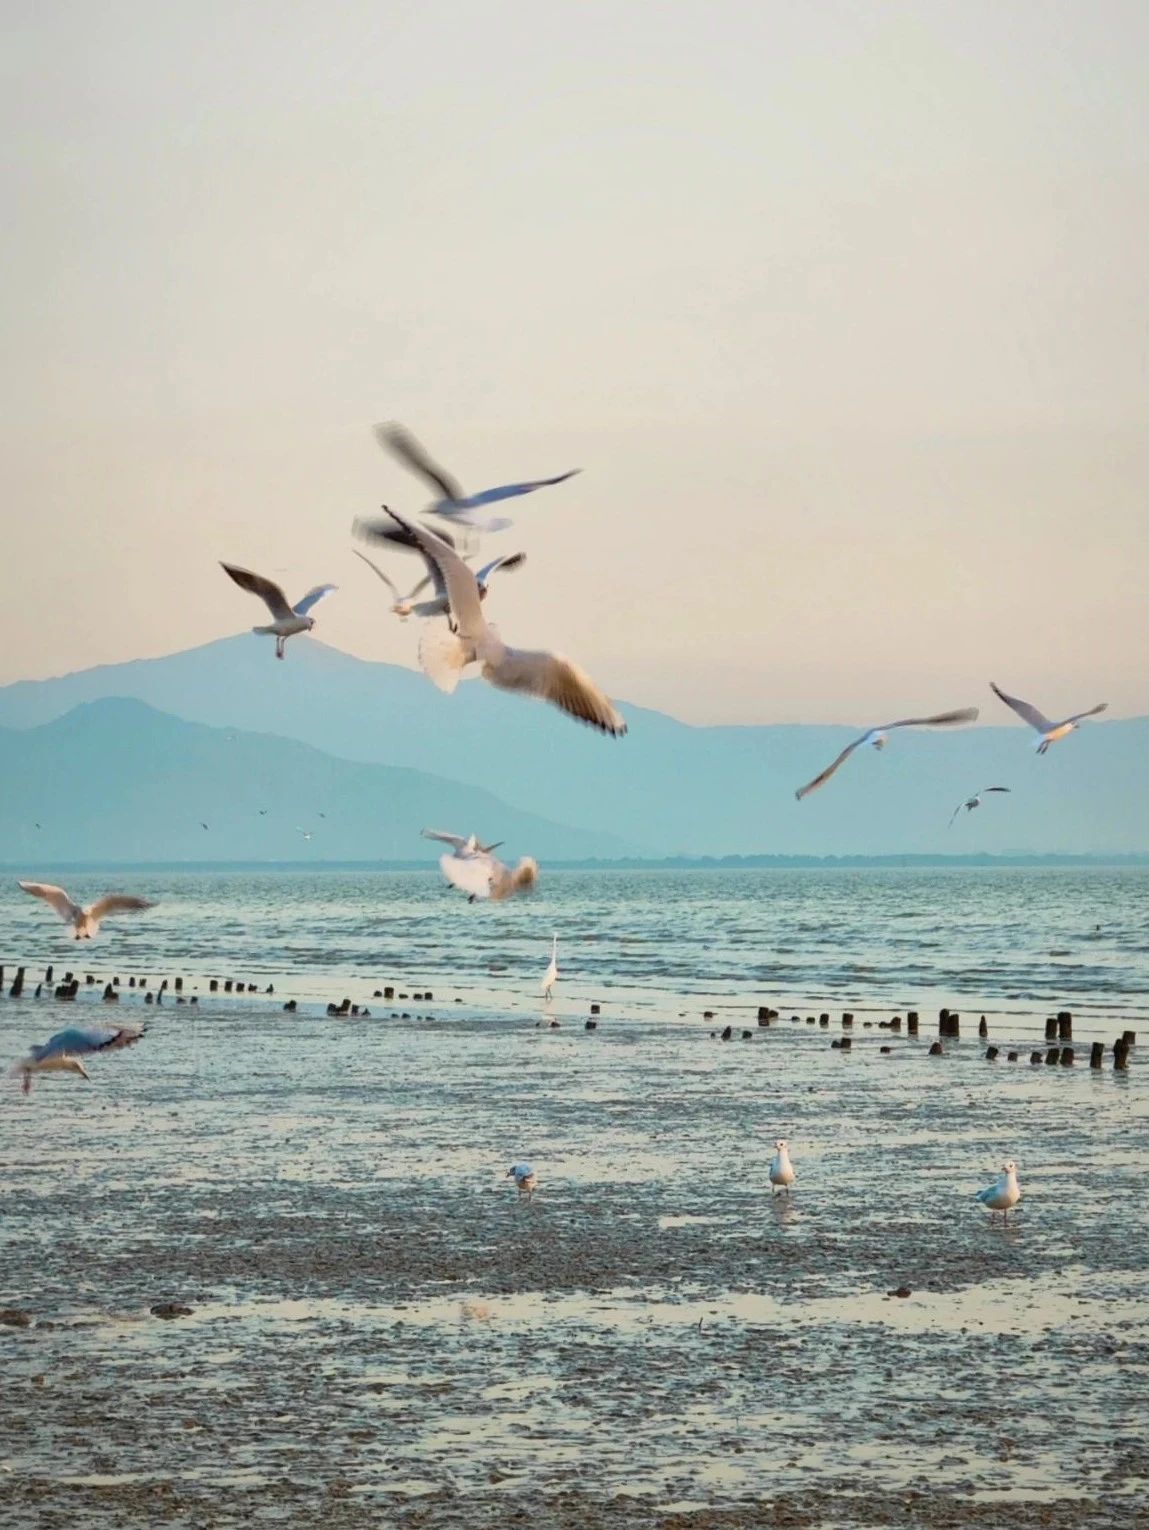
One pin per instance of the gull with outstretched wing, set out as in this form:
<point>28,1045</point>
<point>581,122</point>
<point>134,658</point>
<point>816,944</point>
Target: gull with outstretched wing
<point>877,738</point>
<point>85,922</point>
<point>62,1052</point>
<point>286,620</point>
<point>1050,731</point>
<point>975,801</point>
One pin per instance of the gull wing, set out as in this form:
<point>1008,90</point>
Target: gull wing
<point>514,490</point>
<point>267,590</point>
<point>56,896</point>
<point>957,810</point>
<point>820,780</point>
<point>1093,711</point>
<point>402,444</point>
<point>507,563</point>
<point>1024,710</point>
<point>461,588</point>
<point>313,597</point>
<point>994,789</point>
<point>939,720</point>
<point>470,873</point>
<point>448,839</point>
<point>379,571</point>
<point>78,1042</point>
<point>117,903</point>
<point>559,681</point>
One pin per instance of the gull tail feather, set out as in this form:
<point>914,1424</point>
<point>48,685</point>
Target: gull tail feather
<point>443,655</point>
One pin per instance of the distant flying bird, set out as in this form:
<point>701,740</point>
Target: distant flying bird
<point>262,814</point>
<point>286,620</point>
<point>1050,731</point>
<point>307,833</point>
<point>444,654</point>
<point>782,1174</point>
<point>203,826</point>
<point>452,503</point>
<point>463,846</point>
<point>525,1178</point>
<point>551,976</point>
<point>877,737</point>
<point>1004,1193</point>
<point>62,1053</point>
<point>975,801</point>
<point>482,875</point>
<point>85,922</point>
<point>37,826</point>
<point>438,604</point>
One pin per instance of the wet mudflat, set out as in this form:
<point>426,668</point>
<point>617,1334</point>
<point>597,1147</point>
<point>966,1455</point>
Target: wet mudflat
<point>382,1334</point>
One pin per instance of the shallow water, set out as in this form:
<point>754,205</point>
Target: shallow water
<point>383,1334</point>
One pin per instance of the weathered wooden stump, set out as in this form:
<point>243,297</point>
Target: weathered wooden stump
<point>1064,1025</point>
<point>1097,1054</point>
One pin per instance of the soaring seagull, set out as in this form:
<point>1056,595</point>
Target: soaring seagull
<point>877,737</point>
<point>444,654</point>
<point>452,503</point>
<point>1050,731</point>
<point>482,875</point>
<point>62,1053</point>
<point>975,801</point>
<point>286,620</point>
<point>85,922</point>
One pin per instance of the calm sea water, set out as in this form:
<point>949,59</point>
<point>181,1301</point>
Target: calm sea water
<point>1009,939</point>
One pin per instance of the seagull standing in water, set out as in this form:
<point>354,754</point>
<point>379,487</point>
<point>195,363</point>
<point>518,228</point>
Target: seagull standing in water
<point>975,801</point>
<point>551,975</point>
<point>444,654</point>
<point>1050,731</point>
<point>62,1053</point>
<point>452,504</point>
<point>286,620</point>
<point>85,922</point>
<point>782,1174</point>
<point>525,1178</point>
<point>877,738</point>
<point>1003,1194</point>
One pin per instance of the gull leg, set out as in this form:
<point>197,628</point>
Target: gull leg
<point>279,648</point>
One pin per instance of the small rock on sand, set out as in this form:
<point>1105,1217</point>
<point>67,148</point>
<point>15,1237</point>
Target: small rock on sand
<point>170,1310</point>
<point>14,1317</point>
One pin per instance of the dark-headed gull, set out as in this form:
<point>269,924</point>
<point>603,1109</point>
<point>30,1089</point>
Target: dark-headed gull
<point>975,801</point>
<point>877,737</point>
<point>286,620</point>
<point>85,922</point>
<point>1004,1193</point>
<point>1050,731</point>
<point>551,975</point>
<point>782,1174</point>
<point>438,604</point>
<point>62,1053</point>
<point>452,503</point>
<point>525,1178</point>
<point>482,875</point>
<point>444,654</point>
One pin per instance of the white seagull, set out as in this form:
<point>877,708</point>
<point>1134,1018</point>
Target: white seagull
<point>452,503</point>
<point>782,1174</point>
<point>444,654</point>
<point>438,605</point>
<point>525,1178</point>
<point>975,801</point>
<point>463,846</point>
<point>286,620</point>
<point>877,737</point>
<point>85,922</point>
<point>1004,1193</point>
<point>551,975</point>
<point>1050,731</point>
<point>62,1053</point>
<point>482,875</point>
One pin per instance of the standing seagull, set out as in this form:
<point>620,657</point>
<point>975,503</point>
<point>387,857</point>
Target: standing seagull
<point>551,975</point>
<point>975,801</point>
<point>782,1174</point>
<point>525,1178</point>
<point>877,737</point>
<point>85,922</point>
<point>1050,731</point>
<point>444,655</point>
<point>63,1052</point>
<point>286,620</point>
<point>1003,1194</point>
<point>452,503</point>
<point>482,875</point>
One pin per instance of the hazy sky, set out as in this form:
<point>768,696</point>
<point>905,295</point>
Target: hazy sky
<point>842,308</point>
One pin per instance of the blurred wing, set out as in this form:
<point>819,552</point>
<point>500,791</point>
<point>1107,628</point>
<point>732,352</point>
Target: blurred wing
<point>267,590</point>
<point>471,874</point>
<point>514,490</point>
<point>402,444</point>
<point>940,720</point>
<point>117,903</point>
<point>1093,711</point>
<point>994,789</point>
<point>313,597</point>
<point>821,780</point>
<point>512,560</point>
<point>398,536</point>
<point>956,811</point>
<point>462,591</point>
<point>56,896</point>
<point>78,1042</point>
<point>448,839</point>
<point>1023,709</point>
<point>378,570</point>
<point>557,680</point>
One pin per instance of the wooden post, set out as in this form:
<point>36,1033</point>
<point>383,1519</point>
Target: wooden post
<point>1064,1025</point>
<point>1067,1057</point>
<point>1051,1028</point>
<point>912,1022</point>
<point>990,1054</point>
<point>1096,1054</point>
<point>1052,1056</point>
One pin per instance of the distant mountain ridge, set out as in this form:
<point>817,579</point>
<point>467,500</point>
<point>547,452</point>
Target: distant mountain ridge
<point>668,788</point>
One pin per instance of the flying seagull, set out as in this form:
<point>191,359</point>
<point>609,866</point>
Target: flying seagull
<point>438,604</point>
<point>482,875</point>
<point>877,737</point>
<point>286,620</point>
<point>85,922</point>
<point>551,976</point>
<point>468,846</point>
<point>1050,731</point>
<point>63,1052</point>
<point>782,1174</point>
<point>1004,1193</point>
<point>975,801</point>
<point>525,1178</point>
<point>444,654</point>
<point>452,503</point>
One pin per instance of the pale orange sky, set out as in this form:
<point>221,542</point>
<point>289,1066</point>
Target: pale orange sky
<point>841,308</point>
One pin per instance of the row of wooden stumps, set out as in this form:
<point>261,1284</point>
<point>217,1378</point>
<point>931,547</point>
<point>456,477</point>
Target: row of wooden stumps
<point>69,987</point>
